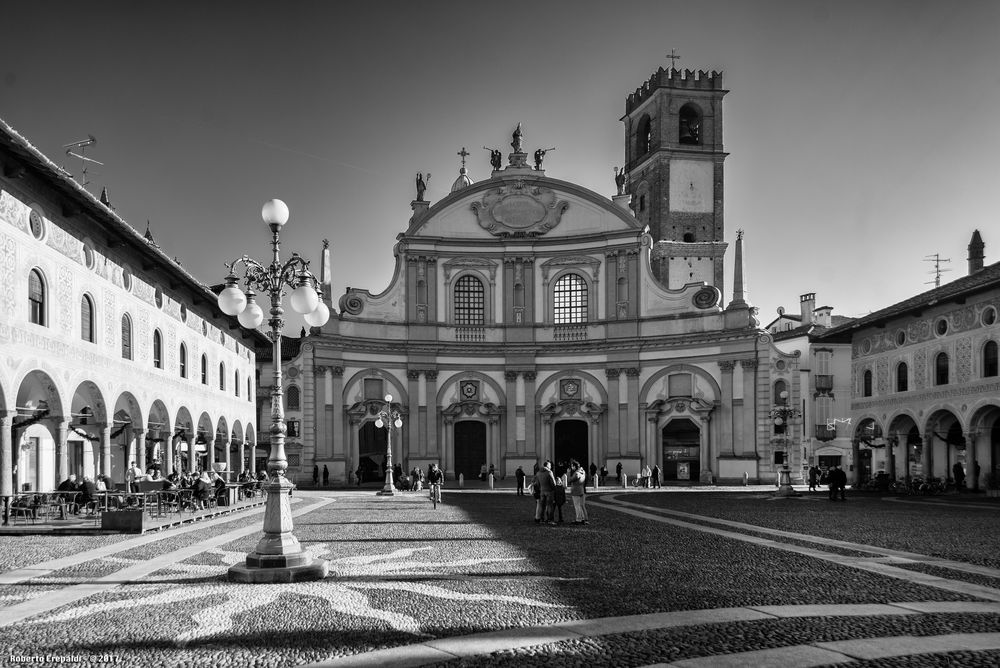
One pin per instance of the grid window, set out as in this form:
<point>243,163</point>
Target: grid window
<point>292,398</point>
<point>470,301</point>
<point>126,337</point>
<point>569,300</point>
<point>87,319</point>
<point>36,298</point>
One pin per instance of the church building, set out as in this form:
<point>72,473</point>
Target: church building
<point>529,318</point>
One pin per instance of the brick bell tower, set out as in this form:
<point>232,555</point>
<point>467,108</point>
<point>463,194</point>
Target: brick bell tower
<point>674,161</point>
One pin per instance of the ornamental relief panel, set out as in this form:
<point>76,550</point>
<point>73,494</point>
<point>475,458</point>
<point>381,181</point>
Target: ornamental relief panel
<point>110,326</point>
<point>14,211</point>
<point>519,210</point>
<point>920,369</point>
<point>963,354</point>
<point>145,340</point>
<point>8,261</point>
<point>883,375</point>
<point>66,302</point>
<point>63,242</point>
<point>963,319</point>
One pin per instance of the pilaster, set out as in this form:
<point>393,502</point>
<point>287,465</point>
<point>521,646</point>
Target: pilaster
<point>634,418</point>
<point>431,434</point>
<point>614,412</point>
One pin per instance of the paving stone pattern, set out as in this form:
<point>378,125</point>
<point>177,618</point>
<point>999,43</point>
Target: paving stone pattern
<point>404,574</point>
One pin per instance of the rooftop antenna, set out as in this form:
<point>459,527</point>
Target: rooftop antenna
<point>937,260</point>
<point>82,147</point>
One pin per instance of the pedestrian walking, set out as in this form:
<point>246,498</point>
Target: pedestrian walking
<point>959,472</point>
<point>656,476</point>
<point>519,474</point>
<point>618,471</point>
<point>578,492</point>
<point>814,474</point>
<point>358,474</point>
<point>326,476</point>
<point>315,476</point>
<point>545,486</point>
<point>838,483</point>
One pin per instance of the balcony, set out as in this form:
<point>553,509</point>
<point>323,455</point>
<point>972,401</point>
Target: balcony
<point>569,333</point>
<point>825,433</point>
<point>824,383</point>
<point>470,334</point>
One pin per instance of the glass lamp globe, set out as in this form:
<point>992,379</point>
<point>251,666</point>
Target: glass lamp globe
<point>304,299</point>
<point>398,423</point>
<point>274,212</point>
<point>778,421</point>
<point>379,423</point>
<point>252,315</point>
<point>388,398</point>
<point>318,317</point>
<point>232,301</point>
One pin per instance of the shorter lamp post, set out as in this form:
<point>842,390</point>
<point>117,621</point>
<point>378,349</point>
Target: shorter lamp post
<point>781,414</point>
<point>278,556</point>
<point>388,418</point>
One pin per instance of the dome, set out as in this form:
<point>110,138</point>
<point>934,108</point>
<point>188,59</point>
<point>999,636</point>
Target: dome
<point>463,180</point>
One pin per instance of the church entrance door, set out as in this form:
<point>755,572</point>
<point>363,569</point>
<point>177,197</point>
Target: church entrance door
<point>470,448</point>
<point>570,439</point>
<point>371,452</point>
<point>681,450</point>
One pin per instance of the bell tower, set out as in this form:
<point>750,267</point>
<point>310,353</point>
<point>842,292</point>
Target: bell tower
<point>674,161</point>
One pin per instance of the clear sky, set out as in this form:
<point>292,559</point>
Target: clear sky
<point>863,136</point>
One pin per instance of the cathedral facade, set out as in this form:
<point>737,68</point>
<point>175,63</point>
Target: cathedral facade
<point>529,318</point>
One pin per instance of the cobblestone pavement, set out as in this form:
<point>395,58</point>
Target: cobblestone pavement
<point>679,578</point>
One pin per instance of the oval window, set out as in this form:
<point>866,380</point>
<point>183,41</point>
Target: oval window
<point>35,223</point>
<point>88,256</point>
<point>941,327</point>
<point>158,298</point>
<point>127,279</point>
<point>900,337</point>
<point>989,316</point>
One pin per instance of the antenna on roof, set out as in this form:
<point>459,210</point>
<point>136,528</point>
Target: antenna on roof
<point>82,146</point>
<point>936,259</point>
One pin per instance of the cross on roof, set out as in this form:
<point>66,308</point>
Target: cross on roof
<point>672,58</point>
<point>463,153</point>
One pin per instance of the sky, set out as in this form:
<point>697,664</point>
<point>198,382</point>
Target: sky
<point>862,136</point>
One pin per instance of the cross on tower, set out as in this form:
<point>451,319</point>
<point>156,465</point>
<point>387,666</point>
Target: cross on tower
<point>672,58</point>
<point>463,153</point>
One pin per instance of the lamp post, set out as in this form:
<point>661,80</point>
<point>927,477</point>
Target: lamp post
<point>781,414</point>
<point>388,418</point>
<point>278,556</point>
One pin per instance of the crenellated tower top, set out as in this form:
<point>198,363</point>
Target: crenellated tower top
<point>673,78</point>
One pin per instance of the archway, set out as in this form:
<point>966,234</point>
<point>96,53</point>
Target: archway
<point>944,444</point>
<point>681,442</point>
<point>470,448</point>
<point>83,437</point>
<point>158,433</point>
<point>372,443</point>
<point>33,456</point>
<point>570,440</point>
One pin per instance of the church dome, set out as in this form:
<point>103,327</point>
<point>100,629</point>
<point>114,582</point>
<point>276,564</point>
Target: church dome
<point>463,180</point>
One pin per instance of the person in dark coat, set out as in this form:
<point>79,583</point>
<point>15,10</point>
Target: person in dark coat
<point>838,483</point>
<point>814,474</point>
<point>655,475</point>
<point>519,474</point>
<point>88,493</point>
<point>326,476</point>
<point>315,476</point>
<point>959,473</point>
<point>618,471</point>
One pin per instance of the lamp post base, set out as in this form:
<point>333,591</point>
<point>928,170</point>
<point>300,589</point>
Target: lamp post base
<point>785,484</point>
<point>278,556</point>
<point>389,489</point>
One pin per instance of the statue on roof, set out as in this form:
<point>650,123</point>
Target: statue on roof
<point>517,138</point>
<point>540,155</point>
<point>496,158</point>
<point>620,179</point>
<point>421,185</point>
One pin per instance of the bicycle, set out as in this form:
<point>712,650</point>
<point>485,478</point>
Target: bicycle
<point>436,494</point>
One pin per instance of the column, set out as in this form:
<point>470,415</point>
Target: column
<point>446,452</point>
<point>337,408</point>
<point>492,442</point>
<point>530,413</point>
<point>6,454</point>
<point>415,426</point>
<point>229,461</point>
<point>140,446</point>
<point>167,464</point>
<point>927,456</point>
<point>192,452</point>
<point>726,441</point>
<point>430,394</point>
<point>62,455</point>
<point>253,459</point>
<point>510,389</point>
<point>749,445</point>
<point>614,415</point>
<point>546,450</point>
<point>632,427</point>
<point>650,437</point>
<point>705,449</point>
<point>321,448</point>
<point>210,445</point>
<point>106,449</point>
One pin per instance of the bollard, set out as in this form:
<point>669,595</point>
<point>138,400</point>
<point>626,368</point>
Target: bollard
<point>624,480</point>
<point>491,480</point>
<point>597,481</point>
<point>461,480</point>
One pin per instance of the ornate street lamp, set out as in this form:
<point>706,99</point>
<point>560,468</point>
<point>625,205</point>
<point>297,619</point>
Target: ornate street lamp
<point>781,414</point>
<point>388,418</point>
<point>278,556</point>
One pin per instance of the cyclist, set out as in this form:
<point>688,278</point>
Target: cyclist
<point>434,479</point>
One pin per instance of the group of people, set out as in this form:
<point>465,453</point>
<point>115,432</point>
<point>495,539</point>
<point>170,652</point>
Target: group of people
<point>326,476</point>
<point>835,479</point>
<point>549,489</point>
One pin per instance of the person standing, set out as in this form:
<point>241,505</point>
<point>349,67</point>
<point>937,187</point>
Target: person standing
<point>959,472</point>
<point>132,478</point>
<point>578,492</point>
<point>545,482</point>
<point>656,476</point>
<point>315,475</point>
<point>559,498</point>
<point>646,474</point>
<point>618,471</point>
<point>326,476</point>
<point>838,483</point>
<point>813,477</point>
<point>519,474</point>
